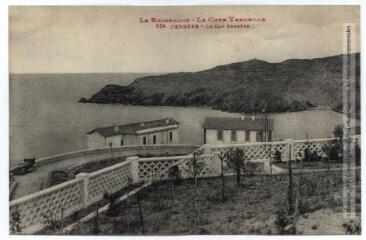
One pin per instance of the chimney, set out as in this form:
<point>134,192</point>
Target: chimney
<point>253,117</point>
<point>167,121</point>
<point>115,128</point>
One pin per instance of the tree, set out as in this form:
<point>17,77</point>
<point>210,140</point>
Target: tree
<point>221,156</point>
<point>338,132</point>
<point>196,165</point>
<point>175,176</point>
<point>235,160</point>
<point>334,149</point>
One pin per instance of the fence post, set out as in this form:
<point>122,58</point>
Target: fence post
<point>134,168</point>
<point>84,190</point>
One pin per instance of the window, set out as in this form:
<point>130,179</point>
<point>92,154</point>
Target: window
<point>270,136</point>
<point>121,142</point>
<point>144,140</point>
<point>220,135</point>
<point>233,135</point>
<point>259,137</point>
<point>170,136</point>
<point>154,139</point>
<point>247,136</point>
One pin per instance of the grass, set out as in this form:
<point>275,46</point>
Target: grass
<point>309,165</point>
<point>251,208</point>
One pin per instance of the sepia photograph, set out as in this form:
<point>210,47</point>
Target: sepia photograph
<point>184,120</point>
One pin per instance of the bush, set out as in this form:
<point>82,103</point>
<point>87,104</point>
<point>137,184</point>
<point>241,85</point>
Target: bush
<point>310,156</point>
<point>175,174</point>
<point>236,161</point>
<point>284,222</point>
<point>352,228</point>
<point>113,210</point>
<point>52,221</point>
<point>15,223</point>
<point>334,151</point>
<point>277,157</point>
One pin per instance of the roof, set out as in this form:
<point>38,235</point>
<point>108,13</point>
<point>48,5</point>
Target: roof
<point>245,123</point>
<point>133,128</point>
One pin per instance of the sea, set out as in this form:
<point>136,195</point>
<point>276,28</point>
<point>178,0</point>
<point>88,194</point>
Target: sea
<point>46,117</point>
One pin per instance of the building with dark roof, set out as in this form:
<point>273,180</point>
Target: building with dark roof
<point>161,131</point>
<point>218,130</point>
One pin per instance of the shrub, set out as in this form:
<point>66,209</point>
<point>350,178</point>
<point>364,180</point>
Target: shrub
<point>333,151</point>
<point>175,174</point>
<point>113,207</point>
<point>52,221</point>
<point>15,223</point>
<point>277,157</point>
<point>284,222</point>
<point>236,161</point>
<point>352,228</point>
<point>309,156</point>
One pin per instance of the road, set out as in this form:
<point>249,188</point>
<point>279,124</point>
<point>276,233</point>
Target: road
<point>34,181</point>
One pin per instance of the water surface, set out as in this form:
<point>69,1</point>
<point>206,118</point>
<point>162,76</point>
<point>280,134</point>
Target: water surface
<point>46,118</point>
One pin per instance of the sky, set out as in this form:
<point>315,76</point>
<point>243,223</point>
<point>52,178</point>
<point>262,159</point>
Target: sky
<point>111,39</point>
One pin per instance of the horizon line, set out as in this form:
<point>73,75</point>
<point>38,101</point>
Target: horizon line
<point>115,72</point>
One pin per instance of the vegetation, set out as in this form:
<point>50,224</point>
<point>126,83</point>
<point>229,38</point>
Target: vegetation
<point>113,208</point>
<point>277,157</point>
<point>258,208</point>
<point>175,175</point>
<point>310,156</point>
<point>223,87</point>
<point>236,161</point>
<point>54,221</point>
<point>15,223</point>
<point>334,149</point>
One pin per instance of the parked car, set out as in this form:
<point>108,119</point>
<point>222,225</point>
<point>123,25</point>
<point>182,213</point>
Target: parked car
<point>28,165</point>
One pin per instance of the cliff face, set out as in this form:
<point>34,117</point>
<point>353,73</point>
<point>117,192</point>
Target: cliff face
<point>250,86</point>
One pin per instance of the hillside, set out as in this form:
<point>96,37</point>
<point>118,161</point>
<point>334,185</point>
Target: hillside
<point>249,86</point>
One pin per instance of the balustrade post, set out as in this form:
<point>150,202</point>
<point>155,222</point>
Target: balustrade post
<point>134,168</point>
<point>84,189</point>
<point>207,149</point>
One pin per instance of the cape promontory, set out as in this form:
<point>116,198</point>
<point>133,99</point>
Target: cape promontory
<point>250,86</point>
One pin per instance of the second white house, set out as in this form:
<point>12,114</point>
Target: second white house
<point>162,131</point>
<point>225,130</point>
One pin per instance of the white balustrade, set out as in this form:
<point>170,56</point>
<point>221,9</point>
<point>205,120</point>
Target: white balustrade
<point>88,188</point>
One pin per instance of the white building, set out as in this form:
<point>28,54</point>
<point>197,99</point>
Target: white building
<point>162,131</point>
<point>224,130</point>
